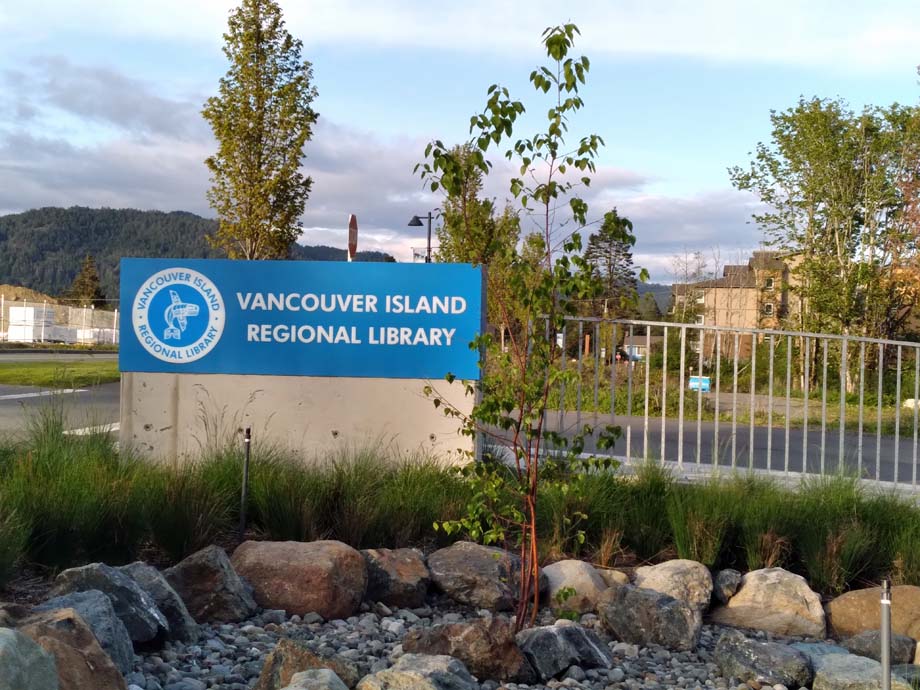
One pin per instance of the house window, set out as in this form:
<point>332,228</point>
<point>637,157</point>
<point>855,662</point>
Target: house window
<point>700,319</point>
<point>768,309</point>
<point>768,285</point>
<point>700,298</point>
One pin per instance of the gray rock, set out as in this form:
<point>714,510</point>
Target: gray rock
<point>181,624</point>
<point>644,617</point>
<point>24,665</point>
<point>134,606</point>
<point>740,658</point>
<point>552,649</point>
<point>680,578</point>
<point>726,584</point>
<point>210,588</point>
<point>396,577</point>
<point>815,652</point>
<point>869,644</point>
<point>316,679</point>
<point>579,580</point>
<point>909,673</point>
<point>851,672</point>
<point>421,672</point>
<point>480,576</point>
<point>97,611</point>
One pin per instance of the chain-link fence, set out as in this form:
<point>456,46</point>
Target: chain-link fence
<point>22,321</point>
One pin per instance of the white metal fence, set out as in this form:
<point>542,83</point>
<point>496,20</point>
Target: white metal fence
<point>42,322</point>
<point>757,399</point>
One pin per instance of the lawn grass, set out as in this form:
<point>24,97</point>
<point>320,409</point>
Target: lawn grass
<point>59,374</point>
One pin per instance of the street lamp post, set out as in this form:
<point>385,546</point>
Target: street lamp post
<point>416,222</point>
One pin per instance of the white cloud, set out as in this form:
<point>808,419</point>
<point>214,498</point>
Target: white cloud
<point>866,36</point>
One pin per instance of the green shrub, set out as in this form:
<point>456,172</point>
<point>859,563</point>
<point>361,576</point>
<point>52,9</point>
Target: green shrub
<point>14,535</point>
<point>700,516</point>
<point>766,518</point>
<point>289,500</point>
<point>906,561</point>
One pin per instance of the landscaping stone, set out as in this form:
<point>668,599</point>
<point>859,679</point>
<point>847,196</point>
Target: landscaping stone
<point>24,665</point>
<point>725,585</point>
<point>869,644</point>
<point>481,576</point>
<point>573,575</point>
<point>421,672</point>
<point>857,611</point>
<point>325,577</point>
<point>317,679</point>
<point>181,624</point>
<point>97,611</point>
<point>742,659</point>
<point>613,577</point>
<point>852,672</point>
<point>396,577</point>
<point>486,646</point>
<point>136,609</point>
<point>644,616</point>
<point>80,662</point>
<point>554,649</point>
<point>210,588</point>
<point>292,656</point>
<point>776,601</point>
<point>680,578</point>
<point>909,673</point>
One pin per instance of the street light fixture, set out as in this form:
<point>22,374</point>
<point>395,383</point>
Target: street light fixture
<point>416,222</point>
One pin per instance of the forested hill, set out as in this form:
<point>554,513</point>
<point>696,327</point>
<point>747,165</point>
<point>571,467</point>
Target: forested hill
<point>42,249</point>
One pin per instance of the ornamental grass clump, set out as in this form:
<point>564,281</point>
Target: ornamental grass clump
<point>700,516</point>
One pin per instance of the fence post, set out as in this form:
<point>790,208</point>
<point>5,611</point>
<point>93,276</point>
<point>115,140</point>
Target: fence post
<point>44,313</point>
<point>2,309</point>
<point>115,329</point>
<point>886,634</point>
<point>244,494</point>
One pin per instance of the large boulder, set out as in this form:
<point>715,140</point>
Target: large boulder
<point>573,586</point>
<point>816,651</point>
<point>210,588</point>
<point>776,601</point>
<point>481,576</point>
<point>869,644</point>
<point>852,672</point>
<point>324,577</point>
<point>680,578</point>
<point>859,610</point>
<point>24,665</point>
<point>291,656</point>
<point>316,679</point>
<point>396,577</point>
<point>742,659</point>
<point>182,626</point>
<point>96,610</point>
<point>644,616</point>
<point>421,672</point>
<point>81,663</point>
<point>553,649</point>
<point>136,609</point>
<point>909,673</point>
<point>486,646</point>
<point>612,577</point>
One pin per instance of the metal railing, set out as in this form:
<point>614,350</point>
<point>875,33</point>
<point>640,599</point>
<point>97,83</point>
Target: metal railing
<point>46,322</point>
<point>742,398</point>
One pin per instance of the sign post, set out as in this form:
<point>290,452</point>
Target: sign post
<point>352,236</point>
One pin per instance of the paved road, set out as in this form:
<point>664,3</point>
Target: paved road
<point>92,406</point>
<point>769,446</point>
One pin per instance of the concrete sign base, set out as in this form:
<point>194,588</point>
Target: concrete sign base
<point>180,416</point>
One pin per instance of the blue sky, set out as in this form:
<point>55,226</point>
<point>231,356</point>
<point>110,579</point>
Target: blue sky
<point>99,101</point>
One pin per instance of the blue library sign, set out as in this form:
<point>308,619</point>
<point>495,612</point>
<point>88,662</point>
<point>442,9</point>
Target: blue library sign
<point>296,318</point>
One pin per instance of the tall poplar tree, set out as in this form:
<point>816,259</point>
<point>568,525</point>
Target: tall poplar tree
<point>262,118</point>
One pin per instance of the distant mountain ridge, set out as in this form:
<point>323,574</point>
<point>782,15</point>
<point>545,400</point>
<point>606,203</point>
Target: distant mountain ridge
<point>42,249</point>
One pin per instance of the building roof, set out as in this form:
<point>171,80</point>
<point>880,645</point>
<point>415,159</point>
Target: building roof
<point>639,340</point>
<point>737,275</point>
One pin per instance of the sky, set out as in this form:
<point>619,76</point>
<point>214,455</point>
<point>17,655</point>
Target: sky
<point>100,102</point>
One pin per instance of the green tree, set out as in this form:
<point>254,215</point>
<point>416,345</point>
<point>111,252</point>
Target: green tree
<point>609,252</point>
<point>262,118</point>
<point>473,232</point>
<point>648,308</point>
<point>86,288</point>
<point>832,182</point>
<point>516,380</point>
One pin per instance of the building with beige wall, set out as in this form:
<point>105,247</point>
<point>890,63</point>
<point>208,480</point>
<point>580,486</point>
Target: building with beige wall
<point>747,296</point>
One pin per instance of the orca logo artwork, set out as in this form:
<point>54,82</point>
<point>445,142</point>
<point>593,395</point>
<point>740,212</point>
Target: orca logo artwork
<point>178,315</point>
